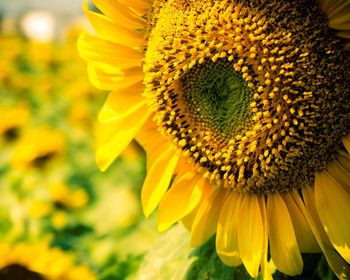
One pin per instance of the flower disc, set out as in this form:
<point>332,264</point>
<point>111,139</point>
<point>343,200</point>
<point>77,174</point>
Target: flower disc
<point>255,93</point>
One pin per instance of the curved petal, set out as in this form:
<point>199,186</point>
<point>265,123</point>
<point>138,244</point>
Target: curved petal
<point>335,261</point>
<point>344,161</point>
<point>341,20</point>
<point>333,207</point>
<point>251,234</point>
<point>227,231</point>
<point>187,221</point>
<point>283,244</point>
<point>104,53</point>
<point>152,142</point>
<point>140,6</point>
<point>344,34</point>
<point>123,132</point>
<point>122,103</point>
<point>119,13</point>
<point>206,220</point>
<point>329,5</point>
<point>105,79</point>
<point>180,199</point>
<point>339,174</point>
<point>265,265</point>
<point>305,238</point>
<point>346,142</point>
<point>158,180</point>
<point>112,31</point>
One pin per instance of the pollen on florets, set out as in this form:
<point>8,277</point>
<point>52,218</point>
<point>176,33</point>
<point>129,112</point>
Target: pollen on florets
<point>255,93</point>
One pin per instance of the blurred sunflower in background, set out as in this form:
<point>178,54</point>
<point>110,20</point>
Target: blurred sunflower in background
<point>12,122</point>
<point>38,147</point>
<point>243,108</point>
<point>39,261</point>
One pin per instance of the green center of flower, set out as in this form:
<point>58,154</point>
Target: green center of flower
<point>217,97</point>
<point>255,93</point>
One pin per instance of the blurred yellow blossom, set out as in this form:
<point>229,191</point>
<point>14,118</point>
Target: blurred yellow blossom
<point>59,219</point>
<point>78,198</point>
<point>59,192</point>
<point>12,120</point>
<point>37,147</point>
<point>38,259</point>
<point>40,208</point>
<point>66,197</point>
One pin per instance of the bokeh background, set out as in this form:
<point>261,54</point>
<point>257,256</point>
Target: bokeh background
<point>60,217</point>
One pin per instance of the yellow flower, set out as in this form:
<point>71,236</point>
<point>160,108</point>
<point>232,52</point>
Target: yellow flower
<point>66,197</point>
<point>37,147</point>
<point>59,219</point>
<point>245,107</point>
<point>12,121</point>
<point>40,208</point>
<point>39,261</point>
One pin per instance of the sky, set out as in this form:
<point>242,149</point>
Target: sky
<point>15,7</point>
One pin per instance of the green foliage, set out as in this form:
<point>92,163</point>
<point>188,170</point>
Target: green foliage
<point>114,269</point>
<point>172,259</point>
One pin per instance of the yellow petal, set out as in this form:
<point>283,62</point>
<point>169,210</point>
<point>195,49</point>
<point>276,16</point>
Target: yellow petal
<point>158,180</point>
<point>265,267</point>
<point>337,171</point>
<point>227,230</point>
<point>335,261</point>
<point>125,131</point>
<point>180,199</point>
<point>104,53</point>
<point>187,221</point>
<point>112,31</point>
<point>305,238</point>
<point>151,141</point>
<point>122,103</point>
<point>138,5</point>
<point>341,21</point>
<point>341,8</point>
<point>344,34</point>
<point>283,244</point>
<point>346,142</point>
<point>119,13</point>
<point>251,234</point>
<point>344,161</point>
<point>106,79</point>
<point>206,220</point>
<point>333,207</point>
<point>328,6</point>
<point>347,48</point>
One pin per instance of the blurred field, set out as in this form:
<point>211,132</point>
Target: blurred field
<point>55,204</point>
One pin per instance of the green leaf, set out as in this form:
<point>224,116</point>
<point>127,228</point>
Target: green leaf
<point>114,269</point>
<point>169,258</point>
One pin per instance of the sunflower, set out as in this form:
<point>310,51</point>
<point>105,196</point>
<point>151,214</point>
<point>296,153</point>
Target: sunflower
<point>243,108</point>
<point>38,261</point>
<point>12,121</point>
<point>37,147</point>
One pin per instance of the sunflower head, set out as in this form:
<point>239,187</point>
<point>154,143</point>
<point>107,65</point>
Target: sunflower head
<point>246,91</point>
